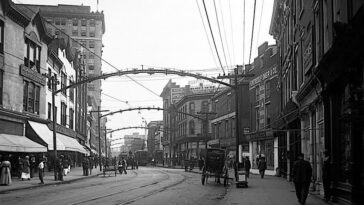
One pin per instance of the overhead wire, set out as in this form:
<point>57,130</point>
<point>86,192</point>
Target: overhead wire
<point>260,22</point>
<point>206,34</point>
<point>224,29</point>
<point>218,26</point>
<point>232,32</point>
<point>252,36</point>
<point>244,34</point>
<point>212,35</point>
<point>80,44</point>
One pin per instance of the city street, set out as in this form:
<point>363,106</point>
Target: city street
<point>155,185</point>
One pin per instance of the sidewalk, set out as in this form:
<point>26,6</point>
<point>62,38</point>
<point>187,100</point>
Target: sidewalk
<point>75,174</point>
<point>267,191</point>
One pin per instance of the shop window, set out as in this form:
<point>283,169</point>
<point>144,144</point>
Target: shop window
<point>32,55</point>
<point>31,95</point>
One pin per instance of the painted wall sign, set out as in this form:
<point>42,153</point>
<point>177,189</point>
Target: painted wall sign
<point>269,73</point>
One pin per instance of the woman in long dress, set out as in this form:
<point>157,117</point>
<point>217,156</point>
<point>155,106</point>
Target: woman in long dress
<point>5,176</point>
<point>26,169</point>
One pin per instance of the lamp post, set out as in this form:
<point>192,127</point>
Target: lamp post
<point>99,130</point>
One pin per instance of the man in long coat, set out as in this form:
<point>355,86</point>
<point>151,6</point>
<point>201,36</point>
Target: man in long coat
<point>302,173</point>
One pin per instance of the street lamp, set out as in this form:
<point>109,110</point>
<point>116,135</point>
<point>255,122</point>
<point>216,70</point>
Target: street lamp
<point>99,129</point>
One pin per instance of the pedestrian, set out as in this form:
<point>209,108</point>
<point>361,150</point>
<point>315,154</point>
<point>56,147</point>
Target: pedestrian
<point>41,170</point>
<point>326,175</point>
<point>32,165</point>
<point>262,166</point>
<point>25,169</point>
<point>19,167</point>
<point>5,175</point>
<point>247,166</point>
<point>123,163</point>
<point>85,167</point>
<point>65,166</point>
<point>91,165</point>
<point>59,168</point>
<point>302,173</point>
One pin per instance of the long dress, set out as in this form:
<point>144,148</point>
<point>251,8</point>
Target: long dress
<point>5,176</point>
<point>26,170</point>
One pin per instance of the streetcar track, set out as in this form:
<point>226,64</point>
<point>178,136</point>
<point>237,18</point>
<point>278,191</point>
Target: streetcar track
<point>154,192</point>
<point>122,191</point>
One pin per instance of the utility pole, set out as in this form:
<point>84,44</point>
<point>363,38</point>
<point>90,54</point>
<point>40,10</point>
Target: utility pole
<point>206,127</point>
<point>236,90</point>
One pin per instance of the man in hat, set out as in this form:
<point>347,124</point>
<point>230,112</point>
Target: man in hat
<point>302,173</point>
<point>41,170</point>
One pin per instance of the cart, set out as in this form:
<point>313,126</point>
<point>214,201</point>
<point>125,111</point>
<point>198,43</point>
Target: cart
<point>109,170</point>
<point>215,166</point>
<point>241,180</point>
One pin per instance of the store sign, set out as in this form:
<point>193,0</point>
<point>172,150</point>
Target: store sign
<point>32,75</point>
<point>271,72</point>
<point>177,94</point>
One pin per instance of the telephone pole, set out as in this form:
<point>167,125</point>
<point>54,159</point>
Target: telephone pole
<point>236,91</point>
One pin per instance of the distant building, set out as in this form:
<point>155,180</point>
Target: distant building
<point>154,127</point>
<point>134,141</point>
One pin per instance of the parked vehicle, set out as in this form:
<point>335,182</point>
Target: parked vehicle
<point>215,166</point>
<point>141,156</point>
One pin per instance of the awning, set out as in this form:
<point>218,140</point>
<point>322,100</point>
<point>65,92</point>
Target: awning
<point>64,143</point>
<point>46,135</point>
<point>71,144</point>
<point>16,143</point>
<point>94,151</point>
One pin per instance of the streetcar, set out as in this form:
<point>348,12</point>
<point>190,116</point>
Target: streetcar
<point>141,156</point>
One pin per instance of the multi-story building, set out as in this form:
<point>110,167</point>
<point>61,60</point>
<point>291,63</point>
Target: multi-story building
<point>321,51</point>
<point>26,93</point>
<point>134,142</point>
<point>23,57</point>
<point>153,128</point>
<point>170,94</point>
<point>191,132</point>
<point>85,28</point>
<point>264,105</point>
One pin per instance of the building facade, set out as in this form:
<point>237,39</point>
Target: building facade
<point>264,104</point>
<point>154,127</point>
<point>86,29</point>
<point>322,73</point>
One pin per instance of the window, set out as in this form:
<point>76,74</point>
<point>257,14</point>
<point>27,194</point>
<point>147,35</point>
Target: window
<point>74,32</point>
<point>58,21</point>
<point>92,22</point>
<point>317,32</point>
<point>192,108</point>
<point>91,67</point>
<point>63,113</point>
<point>32,55</point>
<point>63,82</point>
<point>83,22</point>
<point>83,43</point>
<point>256,118</point>
<point>71,92</point>
<point>55,84</point>
<point>1,86</point>
<point>228,104</point>
<point>63,22</point>
<point>83,33</point>
<point>49,111</point>
<point>91,56</point>
<point>267,115</point>
<point>257,93</point>
<point>75,22</point>
<point>31,97</point>
<point>1,37</point>
<point>192,127</point>
<point>92,44</point>
<point>92,33</point>
<point>267,89</point>
<point>228,130</point>
<point>205,106</point>
<point>71,114</point>
<point>49,83</point>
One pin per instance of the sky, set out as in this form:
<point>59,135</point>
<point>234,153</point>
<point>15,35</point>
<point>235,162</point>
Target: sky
<point>169,34</point>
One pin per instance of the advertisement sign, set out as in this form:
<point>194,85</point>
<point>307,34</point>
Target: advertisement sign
<point>177,94</point>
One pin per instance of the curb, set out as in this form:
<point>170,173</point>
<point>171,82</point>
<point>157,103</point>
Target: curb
<point>49,184</point>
